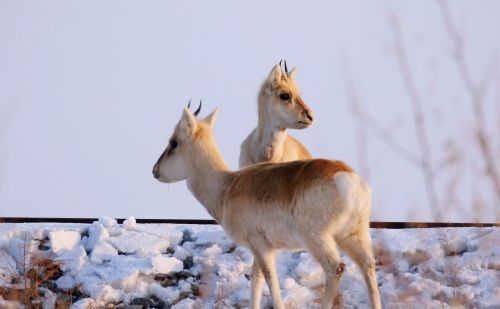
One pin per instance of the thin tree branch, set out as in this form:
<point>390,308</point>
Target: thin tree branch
<point>366,120</point>
<point>418,120</point>
<point>362,147</point>
<point>477,101</point>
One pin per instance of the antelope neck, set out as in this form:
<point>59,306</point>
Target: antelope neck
<point>206,177</point>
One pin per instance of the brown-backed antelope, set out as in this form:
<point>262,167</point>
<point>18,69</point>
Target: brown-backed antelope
<point>315,204</point>
<point>279,107</point>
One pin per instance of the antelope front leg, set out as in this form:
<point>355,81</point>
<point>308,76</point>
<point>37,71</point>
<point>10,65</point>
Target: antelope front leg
<point>257,281</point>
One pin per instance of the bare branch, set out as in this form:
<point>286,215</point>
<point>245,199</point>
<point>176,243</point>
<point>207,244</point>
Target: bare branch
<point>365,122</point>
<point>418,119</point>
<point>362,151</point>
<point>477,101</point>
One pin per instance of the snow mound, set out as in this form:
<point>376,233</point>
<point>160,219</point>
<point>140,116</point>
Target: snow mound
<point>166,265</point>
<point>61,241</point>
<point>182,266</point>
<point>131,242</point>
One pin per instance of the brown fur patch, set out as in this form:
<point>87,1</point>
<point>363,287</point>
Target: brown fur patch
<point>291,89</point>
<point>302,104</point>
<point>281,183</point>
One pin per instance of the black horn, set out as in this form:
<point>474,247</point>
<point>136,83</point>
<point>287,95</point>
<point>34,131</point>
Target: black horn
<point>189,104</point>
<point>286,69</point>
<point>280,65</point>
<point>196,112</point>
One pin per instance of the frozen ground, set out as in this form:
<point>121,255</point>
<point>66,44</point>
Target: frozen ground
<point>186,266</point>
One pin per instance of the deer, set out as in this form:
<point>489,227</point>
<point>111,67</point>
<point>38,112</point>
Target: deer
<point>280,107</point>
<point>317,204</point>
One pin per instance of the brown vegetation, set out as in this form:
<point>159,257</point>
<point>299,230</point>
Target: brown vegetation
<point>33,282</point>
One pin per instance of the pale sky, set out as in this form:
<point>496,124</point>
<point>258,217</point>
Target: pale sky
<point>90,92</point>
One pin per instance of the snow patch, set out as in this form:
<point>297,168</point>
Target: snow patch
<point>101,252</point>
<point>129,223</point>
<point>97,233</point>
<point>108,222</point>
<point>72,260</point>
<point>166,265</point>
<point>181,253</point>
<point>61,241</point>
<point>142,244</point>
<point>200,267</point>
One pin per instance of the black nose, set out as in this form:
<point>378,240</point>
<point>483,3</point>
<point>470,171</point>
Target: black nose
<point>308,116</point>
<point>156,172</point>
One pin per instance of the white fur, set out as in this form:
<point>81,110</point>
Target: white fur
<point>269,141</point>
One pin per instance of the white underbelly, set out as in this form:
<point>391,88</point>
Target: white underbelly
<point>284,238</point>
<point>279,238</point>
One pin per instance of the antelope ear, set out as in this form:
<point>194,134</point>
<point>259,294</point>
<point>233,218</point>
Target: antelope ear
<point>188,123</point>
<point>275,74</point>
<point>210,119</point>
<point>293,72</point>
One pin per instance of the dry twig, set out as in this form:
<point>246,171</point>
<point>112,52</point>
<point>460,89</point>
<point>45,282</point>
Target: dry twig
<point>419,120</point>
<point>475,91</point>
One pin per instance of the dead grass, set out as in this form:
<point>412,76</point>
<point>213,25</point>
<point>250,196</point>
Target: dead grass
<point>35,276</point>
<point>31,279</point>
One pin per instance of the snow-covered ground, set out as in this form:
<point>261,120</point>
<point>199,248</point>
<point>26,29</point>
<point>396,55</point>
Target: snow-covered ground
<point>195,266</point>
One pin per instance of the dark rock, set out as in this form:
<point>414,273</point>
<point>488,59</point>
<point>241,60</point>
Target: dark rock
<point>187,235</point>
<point>195,289</point>
<point>188,262</point>
<point>160,277</point>
<point>43,244</point>
<point>170,281</point>
<point>184,274</point>
<point>184,294</point>
<point>231,249</point>
<point>155,298</point>
<point>166,280</point>
<point>85,233</point>
<point>51,285</point>
<point>414,269</point>
<point>121,306</point>
<point>143,302</point>
<point>162,305</point>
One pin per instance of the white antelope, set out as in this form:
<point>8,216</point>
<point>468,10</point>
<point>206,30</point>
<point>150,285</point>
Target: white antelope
<point>315,204</point>
<point>279,107</point>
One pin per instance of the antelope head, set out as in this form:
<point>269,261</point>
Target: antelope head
<point>280,101</point>
<point>189,134</point>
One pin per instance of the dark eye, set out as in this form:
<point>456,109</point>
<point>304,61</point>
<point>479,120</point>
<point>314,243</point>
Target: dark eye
<point>284,96</point>
<point>173,144</point>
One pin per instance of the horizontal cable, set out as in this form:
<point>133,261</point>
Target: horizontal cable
<point>374,224</point>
